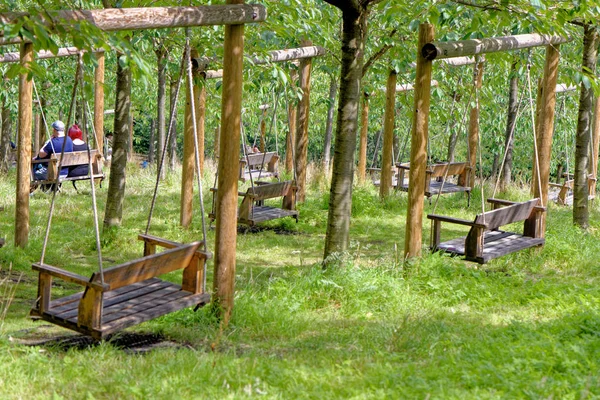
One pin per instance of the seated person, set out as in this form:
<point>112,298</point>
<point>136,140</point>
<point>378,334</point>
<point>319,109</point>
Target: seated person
<point>255,149</point>
<point>52,146</point>
<point>78,145</point>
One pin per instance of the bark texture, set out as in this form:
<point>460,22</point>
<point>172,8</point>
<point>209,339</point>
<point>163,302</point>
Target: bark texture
<point>301,150</point>
<point>581,213</point>
<point>116,186</point>
<point>329,125</point>
<point>354,25</point>
<point>362,148</point>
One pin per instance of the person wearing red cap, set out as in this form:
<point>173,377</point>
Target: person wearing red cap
<point>78,145</point>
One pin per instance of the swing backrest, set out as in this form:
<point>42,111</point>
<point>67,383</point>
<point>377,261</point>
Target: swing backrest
<point>270,191</point>
<point>439,170</point>
<point>147,267</point>
<point>257,159</point>
<point>503,216</point>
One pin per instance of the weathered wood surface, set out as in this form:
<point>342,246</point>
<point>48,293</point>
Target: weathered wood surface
<point>148,267</point>
<point>24,149</point>
<point>99,102</point>
<point>45,54</point>
<point>120,19</point>
<point>418,148</point>
<point>484,241</point>
<point>471,47</point>
<point>387,151</point>
<point>448,172</point>
<point>70,160</point>
<point>259,165</point>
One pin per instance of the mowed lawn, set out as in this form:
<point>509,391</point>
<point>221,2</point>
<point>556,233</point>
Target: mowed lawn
<point>523,326</point>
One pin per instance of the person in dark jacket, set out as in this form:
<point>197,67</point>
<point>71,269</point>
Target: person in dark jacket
<point>78,145</point>
<point>52,146</point>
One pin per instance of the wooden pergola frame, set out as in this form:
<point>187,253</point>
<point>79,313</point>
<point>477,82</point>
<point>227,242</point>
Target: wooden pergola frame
<point>429,51</point>
<point>233,15</point>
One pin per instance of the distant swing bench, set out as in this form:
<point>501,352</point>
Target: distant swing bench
<point>130,294</point>
<point>72,159</point>
<point>253,211</point>
<point>485,241</point>
<point>375,174</point>
<point>563,193</point>
<point>259,165</point>
<point>434,178</point>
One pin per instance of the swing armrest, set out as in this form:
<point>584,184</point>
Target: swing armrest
<point>405,166</point>
<point>69,276</point>
<point>452,220</point>
<point>556,185</point>
<point>501,202</point>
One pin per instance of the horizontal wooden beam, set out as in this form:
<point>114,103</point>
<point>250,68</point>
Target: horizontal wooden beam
<point>275,56</point>
<point>562,88</point>
<point>121,19</point>
<point>406,87</point>
<point>213,74</point>
<point>471,47</point>
<point>44,54</point>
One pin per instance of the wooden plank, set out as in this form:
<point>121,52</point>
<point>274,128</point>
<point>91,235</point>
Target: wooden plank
<point>65,275</point>
<point>137,304</point>
<point>120,19</point>
<point>148,267</point>
<point>90,309</point>
<point>387,157</point>
<point>503,216</point>
<point>270,191</point>
<point>78,158</point>
<point>172,305</point>
<point>134,291</point>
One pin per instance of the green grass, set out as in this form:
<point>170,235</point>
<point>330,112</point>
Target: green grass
<point>523,326</point>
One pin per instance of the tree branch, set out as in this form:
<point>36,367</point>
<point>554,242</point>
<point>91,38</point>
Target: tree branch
<point>378,54</point>
<point>491,6</point>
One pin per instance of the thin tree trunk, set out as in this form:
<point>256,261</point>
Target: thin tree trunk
<point>216,142</point>
<point>301,154</point>
<point>584,127</point>
<point>364,130</point>
<point>340,202</point>
<point>329,125</point>
<point>151,142</point>
<point>173,144</point>
<point>511,122</point>
<point>454,133</point>
<point>116,187</point>
<point>5,138</point>
<point>161,59</point>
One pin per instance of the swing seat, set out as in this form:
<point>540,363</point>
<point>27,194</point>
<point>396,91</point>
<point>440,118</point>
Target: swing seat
<point>72,159</point>
<point>434,178</point>
<point>253,210</point>
<point>563,194</point>
<point>375,174</point>
<point>259,165</point>
<point>130,294</point>
<point>485,241</point>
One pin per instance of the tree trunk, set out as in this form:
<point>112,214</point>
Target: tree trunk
<point>151,142</point>
<point>329,125</point>
<point>454,132</point>
<point>364,131</point>
<point>5,138</point>
<point>116,186</point>
<point>511,122</point>
<point>161,59</point>
<point>216,142</point>
<point>301,162</point>
<point>584,129</point>
<point>354,28</point>
<point>173,144</point>
<point>385,183</point>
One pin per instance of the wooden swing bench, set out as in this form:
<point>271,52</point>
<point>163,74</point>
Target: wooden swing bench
<point>563,193</point>
<point>434,178</point>
<point>485,241</point>
<point>375,174</point>
<point>130,294</point>
<point>72,159</point>
<point>259,165</point>
<point>253,211</point>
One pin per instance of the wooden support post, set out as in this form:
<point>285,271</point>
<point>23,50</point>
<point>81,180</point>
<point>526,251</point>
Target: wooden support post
<point>302,126</point>
<point>474,127</point>
<point>263,130</point>
<point>290,139</point>
<point>188,163</point>
<point>99,102</point>
<point>24,149</point>
<point>200,84</point>
<point>364,130</point>
<point>387,156</point>
<point>418,148</point>
<point>37,129</point>
<point>546,126</point>
<point>228,169</point>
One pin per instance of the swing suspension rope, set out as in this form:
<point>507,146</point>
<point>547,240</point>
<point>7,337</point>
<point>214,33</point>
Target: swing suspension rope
<point>43,114</point>
<point>262,165</point>
<point>464,120</point>
<point>287,104</point>
<point>535,147</point>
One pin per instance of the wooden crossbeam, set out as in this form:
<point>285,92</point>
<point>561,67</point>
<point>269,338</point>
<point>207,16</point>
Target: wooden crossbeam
<point>120,19</point>
<point>563,87</point>
<point>44,54</point>
<point>275,56</point>
<point>471,47</point>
